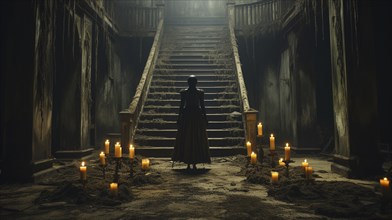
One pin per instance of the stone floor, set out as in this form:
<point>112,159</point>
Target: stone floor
<point>216,191</point>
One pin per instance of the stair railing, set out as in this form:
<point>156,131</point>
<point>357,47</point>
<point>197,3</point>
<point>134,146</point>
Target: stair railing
<point>261,12</point>
<point>130,117</point>
<point>250,114</point>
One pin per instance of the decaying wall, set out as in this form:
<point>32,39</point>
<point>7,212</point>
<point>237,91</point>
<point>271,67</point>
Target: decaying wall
<point>283,72</point>
<point>64,79</point>
<point>354,88</point>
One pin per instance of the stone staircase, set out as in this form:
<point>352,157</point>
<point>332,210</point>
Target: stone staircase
<point>202,50</point>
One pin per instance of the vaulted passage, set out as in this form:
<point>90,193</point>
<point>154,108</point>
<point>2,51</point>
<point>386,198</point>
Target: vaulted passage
<point>204,51</point>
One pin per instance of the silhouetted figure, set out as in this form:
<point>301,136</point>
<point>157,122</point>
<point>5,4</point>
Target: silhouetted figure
<point>191,145</point>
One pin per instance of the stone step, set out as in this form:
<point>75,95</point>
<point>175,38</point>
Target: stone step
<point>174,109</point>
<point>209,89</point>
<point>212,133</point>
<point>193,66</point>
<point>170,141</point>
<point>161,124</point>
<point>174,116</point>
<point>193,70</point>
<point>192,56</point>
<point>170,41</point>
<point>176,102</point>
<point>201,76</point>
<point>199,83</point>
<point>167,151</point>
<point>189,50</point>
<point>193,61</point>
<point>176,95</point>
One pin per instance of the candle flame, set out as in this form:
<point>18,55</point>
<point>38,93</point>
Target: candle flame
<point>107,141</point>
<point>83,163</point>
<point>305,160</point>
<point>385,178</point>
<point>130,146</point>
<point>287,144</point>
<point>102,152</point>
<point>272,135</point>
<point>281,159</point>
<point>259,123</point>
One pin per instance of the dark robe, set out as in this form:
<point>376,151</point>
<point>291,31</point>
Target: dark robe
<point>191,145</point>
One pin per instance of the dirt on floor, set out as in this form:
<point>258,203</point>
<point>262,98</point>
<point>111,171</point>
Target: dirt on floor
<point>228,188</point>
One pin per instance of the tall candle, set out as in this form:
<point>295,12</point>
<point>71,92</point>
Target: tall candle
<point>308,172</point>
<point>107,144</point>
<point>272,142</point>
<point>249,147</point>
<point>281,163</point>
<point>305,164</point>
<point>287,152</point>
<point>145,164</point>
<point>83,171</point>
<point>274,177</point>
<point>259,129</point>
<point>117,150</point>
<point>102,159</point>
<point>131,152</point>
<point>384,184</point>
<point>114,189</point>
<point>253,158</point>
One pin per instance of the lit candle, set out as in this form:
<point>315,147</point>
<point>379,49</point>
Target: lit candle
<point>281,163</point>
<point>131,152</point>
<point>253,158</point>
<point>274,177</point>
<point>145,164</point>
<point>249,147</point>
<point>259,129</point>
<point>272,142</point>
<point>287,152</point>
<point>107,144</point>
<point>83,171</point>
<point>305,164</point>
<point>102,160</point>
<point>114,189</point>
<point>117,150</point>
<point>308,172</point>
<point>384,184</point>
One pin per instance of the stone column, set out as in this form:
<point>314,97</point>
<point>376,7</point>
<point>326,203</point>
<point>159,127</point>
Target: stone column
<point>354,89</point>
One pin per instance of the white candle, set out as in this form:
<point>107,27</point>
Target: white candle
<point>145,164</point>
<point>272,142</point>
<point>117,150</point>
<point>305,164</point>
<point>308,172</point>
<point>253,158</point>
<point>287,152</point>
<point>384,184</point>
<point>102,159</point>
<point>131,152</point>
<point>83,171</point>
<point>259,129</point>
<point>114,189</point>
<point>249,147</point>
<point>107,144</point>
<point>274,177</point>
<point>281,163</point>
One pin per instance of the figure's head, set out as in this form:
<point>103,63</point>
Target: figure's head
<point>192,81</point>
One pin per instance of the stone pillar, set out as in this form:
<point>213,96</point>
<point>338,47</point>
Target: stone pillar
<point>354,89</point>
<point>251,123</point>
